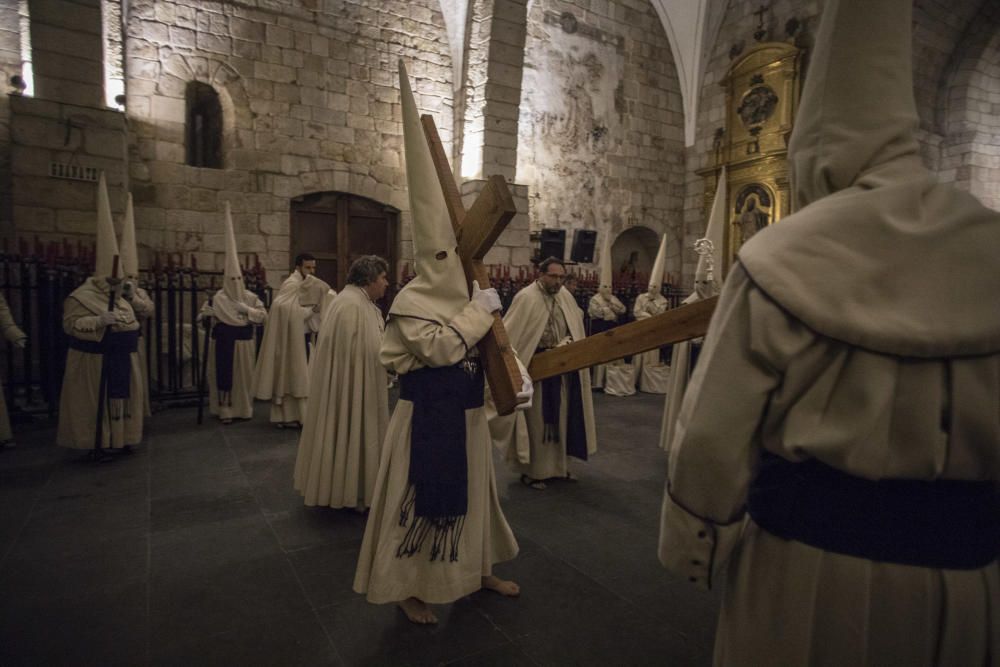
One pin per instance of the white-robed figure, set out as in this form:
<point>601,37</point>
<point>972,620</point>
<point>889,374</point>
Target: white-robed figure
<point>137,297</point>
<point>605,309</point>
<point>101,337</point>
<point>652,371</point>
<point>707,278</point>
<point>12,333</point>
<point>846,398</point>
<point>348,407</point>
<point>435,529</point>
<point>539,441</point>
<point>281,375</point>
<point>235,312</point>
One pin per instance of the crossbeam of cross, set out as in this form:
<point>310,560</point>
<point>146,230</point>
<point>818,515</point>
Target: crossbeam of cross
<point>673,326</point>
<point>476,230</point>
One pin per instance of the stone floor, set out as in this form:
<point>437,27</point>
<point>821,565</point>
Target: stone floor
<point>197,551</point>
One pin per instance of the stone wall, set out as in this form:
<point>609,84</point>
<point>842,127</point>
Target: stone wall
<point>600,142</point>
<point>45,132</point>
<point>969,110</point>
<point>310,101</point>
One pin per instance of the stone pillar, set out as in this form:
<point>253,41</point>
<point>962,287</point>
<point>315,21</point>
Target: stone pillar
<point>513,247</point>
<point>492,88</point>
<point>10,64</point>
<point>68,51</point>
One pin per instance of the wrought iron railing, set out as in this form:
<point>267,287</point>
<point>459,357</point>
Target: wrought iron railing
<point>37,279</point>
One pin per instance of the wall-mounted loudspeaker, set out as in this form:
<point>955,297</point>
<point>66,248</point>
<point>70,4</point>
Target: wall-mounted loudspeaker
<point>553,244</point>
<point>584,241</point>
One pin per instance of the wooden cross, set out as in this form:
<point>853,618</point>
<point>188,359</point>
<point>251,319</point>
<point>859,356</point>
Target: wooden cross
<point>476,230</point>
<point>673,326</point>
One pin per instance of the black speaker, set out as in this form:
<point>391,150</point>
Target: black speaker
<point>553,244</point>
<point>582,251</point>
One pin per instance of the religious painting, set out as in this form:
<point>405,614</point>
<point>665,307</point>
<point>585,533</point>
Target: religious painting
<point>752,212</point>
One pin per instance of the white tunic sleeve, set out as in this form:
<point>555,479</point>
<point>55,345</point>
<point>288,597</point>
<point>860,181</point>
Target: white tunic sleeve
<point>716,446</point>
<point>412,343</point>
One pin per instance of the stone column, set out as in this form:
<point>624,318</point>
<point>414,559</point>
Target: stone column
<point>67,51</point>
<point>491,92</point>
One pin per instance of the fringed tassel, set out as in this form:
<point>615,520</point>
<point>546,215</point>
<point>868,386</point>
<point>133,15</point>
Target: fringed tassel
<point>409,500</point>
<point>446,531</point>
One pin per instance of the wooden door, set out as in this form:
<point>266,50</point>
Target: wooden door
<point>338,228</point>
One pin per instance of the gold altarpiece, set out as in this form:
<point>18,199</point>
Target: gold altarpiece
<point>762,93</point>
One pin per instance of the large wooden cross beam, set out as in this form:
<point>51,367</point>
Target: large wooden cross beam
<point>673,326</point>
<point>476,230</point>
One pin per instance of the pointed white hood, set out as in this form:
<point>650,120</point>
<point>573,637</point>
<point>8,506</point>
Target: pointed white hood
<point>129,251</point>
<point>439,290</point>
<point>232,278</point>
<point>107,245</point>
<point>879,255</point>
<point>607,271</point>
<point>659,267</point>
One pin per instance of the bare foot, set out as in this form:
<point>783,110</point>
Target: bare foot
<point>506,588</point>
<point>532,483</point>
<point>417,611</point>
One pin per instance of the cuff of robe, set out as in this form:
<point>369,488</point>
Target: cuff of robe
<point>692,547</point>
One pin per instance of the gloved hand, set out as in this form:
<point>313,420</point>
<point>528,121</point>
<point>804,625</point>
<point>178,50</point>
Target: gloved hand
<point>241,308</point>
<point>206,311</point>
<point>487,298</point>
<point>21,342</point>
<point>527,388</point>
<point>128,290</point>
<point>565,341</point>
<point>107,318</point>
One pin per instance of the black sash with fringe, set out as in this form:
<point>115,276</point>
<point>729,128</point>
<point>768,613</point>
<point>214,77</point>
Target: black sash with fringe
<point>225,336</point>
<point>116,348</point>
<point>946,524</point>
<point>438,493</point>
<point>576,430</point>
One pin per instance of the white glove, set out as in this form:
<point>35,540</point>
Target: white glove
<point>107,318</point>
<point>21,342</point>
<point>527,388</point>
<point>206,311</point>
<point>565,341</point>
<point>487,298</point>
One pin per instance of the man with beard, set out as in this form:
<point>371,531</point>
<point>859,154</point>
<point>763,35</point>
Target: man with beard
<point>560,424</point>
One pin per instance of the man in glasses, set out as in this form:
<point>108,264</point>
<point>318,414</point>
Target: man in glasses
<point>560,423</point>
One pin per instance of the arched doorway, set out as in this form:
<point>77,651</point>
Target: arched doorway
<point>635,250</point>
<point>337,228</point>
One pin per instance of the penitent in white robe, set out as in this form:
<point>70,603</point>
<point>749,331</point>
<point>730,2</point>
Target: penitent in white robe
<point>82,379</point>
<point>240,405</point>
<point>281,374</point>
<point>348,406</point>
<point>653,374</point>
<point>869,414</point>
<point>143,307</point>
<point>11,332</point>
<point>411,344</point>
<point>521,435</point>
<point>602,310</point>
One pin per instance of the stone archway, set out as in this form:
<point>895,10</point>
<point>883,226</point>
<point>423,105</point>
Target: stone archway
<point>635,247</point>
